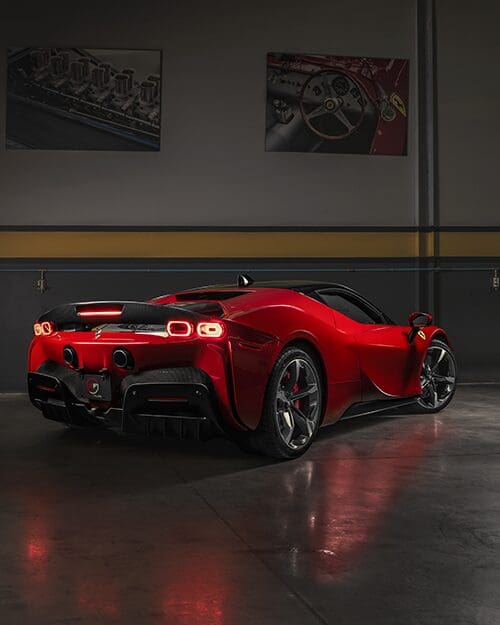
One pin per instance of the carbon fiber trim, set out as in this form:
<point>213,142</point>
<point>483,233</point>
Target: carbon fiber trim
<point>175,375</point>
<point>177,401</point>
<point>69,377</point>
<point>131,312</point>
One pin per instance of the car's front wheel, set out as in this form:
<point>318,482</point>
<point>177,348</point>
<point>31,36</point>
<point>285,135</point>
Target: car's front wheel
<point>438,377</point>
<point>293,407</point>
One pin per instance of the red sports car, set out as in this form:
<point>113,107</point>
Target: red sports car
<point>266,363</point>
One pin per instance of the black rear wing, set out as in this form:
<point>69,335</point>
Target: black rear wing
<point>83,314</point>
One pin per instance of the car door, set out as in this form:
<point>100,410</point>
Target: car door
<point>388,361</point>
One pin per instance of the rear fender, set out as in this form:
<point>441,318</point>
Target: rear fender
<point>251,355</point>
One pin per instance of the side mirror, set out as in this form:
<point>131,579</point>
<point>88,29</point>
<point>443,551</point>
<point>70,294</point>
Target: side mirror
<point>416,321</point>
<point>419,319</point>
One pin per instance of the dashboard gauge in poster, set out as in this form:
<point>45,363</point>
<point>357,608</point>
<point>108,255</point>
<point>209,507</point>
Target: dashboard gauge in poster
<point>336,104</point>
<point>83,99</point>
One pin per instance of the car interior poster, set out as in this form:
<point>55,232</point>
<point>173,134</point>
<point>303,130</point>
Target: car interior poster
<point>337,104</point>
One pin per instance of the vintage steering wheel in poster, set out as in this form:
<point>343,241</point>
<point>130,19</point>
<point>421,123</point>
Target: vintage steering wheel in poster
<point>333,93</point>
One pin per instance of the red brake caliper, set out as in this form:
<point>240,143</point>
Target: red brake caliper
<point>296,403</point>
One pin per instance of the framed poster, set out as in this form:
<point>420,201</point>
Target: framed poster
<point>83,99</point>
<point>336,104</point>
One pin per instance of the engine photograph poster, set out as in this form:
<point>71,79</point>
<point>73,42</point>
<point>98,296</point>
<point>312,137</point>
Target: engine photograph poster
<point>336,104</point>
<point>83,99</point>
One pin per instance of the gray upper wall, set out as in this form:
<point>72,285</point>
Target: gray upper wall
<point>468,52</point>
<point>212,169</point>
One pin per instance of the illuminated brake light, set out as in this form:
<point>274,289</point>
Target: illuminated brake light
<point>100,313</point>
<point>210,329</point>
<point>46,328</point>
<point>179,328</point>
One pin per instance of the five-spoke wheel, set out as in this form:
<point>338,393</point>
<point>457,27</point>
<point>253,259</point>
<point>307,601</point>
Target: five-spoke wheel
<point>297,403</point>
<point>438,377</point>
<point>293,406</point>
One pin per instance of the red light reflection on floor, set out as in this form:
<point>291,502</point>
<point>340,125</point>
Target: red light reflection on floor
<point>359,496</point>
<point>197,594</point>
<point>36,549</point>
<point>36,560</point>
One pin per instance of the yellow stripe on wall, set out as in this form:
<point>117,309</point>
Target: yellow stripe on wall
<point>72,244</point>
<point>207,244</point>
<point>469,244</point>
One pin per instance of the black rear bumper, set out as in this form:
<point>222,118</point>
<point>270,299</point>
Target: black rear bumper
<point>171,402</point>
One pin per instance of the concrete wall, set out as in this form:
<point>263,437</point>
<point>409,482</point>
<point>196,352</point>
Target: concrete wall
<point>468,52</point>
<point>212,169</point>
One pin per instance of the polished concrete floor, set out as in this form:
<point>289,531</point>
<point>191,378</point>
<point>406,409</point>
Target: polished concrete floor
<point>385,521</point>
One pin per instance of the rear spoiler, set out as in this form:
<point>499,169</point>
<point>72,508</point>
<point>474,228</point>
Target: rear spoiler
<point>93,313</point>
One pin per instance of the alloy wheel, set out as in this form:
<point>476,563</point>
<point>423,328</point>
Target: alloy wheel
<point>298,403</point>
<point>438,377</point>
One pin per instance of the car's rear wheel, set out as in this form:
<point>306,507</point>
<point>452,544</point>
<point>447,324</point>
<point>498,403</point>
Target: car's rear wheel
<point>438,377</point>
<point>293,407</point>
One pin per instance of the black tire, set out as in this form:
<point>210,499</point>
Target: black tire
<point>446,387</point>
<point>268,439</point>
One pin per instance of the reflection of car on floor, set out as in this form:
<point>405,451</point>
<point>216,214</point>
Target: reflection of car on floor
<point>266,363</point>
<point>336,104</point>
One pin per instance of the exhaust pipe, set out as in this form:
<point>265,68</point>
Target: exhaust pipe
<point>123,359</point>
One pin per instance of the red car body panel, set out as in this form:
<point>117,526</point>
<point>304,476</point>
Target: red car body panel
<point>360,362</point>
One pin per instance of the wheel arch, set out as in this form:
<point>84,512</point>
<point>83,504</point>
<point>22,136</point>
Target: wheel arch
<point>440,335</point>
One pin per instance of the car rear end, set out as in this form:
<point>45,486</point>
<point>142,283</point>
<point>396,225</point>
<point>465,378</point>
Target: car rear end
<point>139,367</point>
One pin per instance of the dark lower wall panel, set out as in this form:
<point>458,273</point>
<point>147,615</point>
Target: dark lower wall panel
<point>465,303</point>
<point>469,309</point>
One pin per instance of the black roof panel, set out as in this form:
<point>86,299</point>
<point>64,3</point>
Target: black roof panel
<point>302,286</point>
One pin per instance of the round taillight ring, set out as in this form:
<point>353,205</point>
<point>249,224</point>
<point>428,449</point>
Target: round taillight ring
<point>47,328</point>
<point>70,356</point>
<point>180,328</point>
<point>210,329</point>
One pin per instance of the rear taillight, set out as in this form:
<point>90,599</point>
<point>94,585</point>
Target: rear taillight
<point>180,328</point>
<point>204,329</point>
<point>46,328</point>
<point>210,329</point>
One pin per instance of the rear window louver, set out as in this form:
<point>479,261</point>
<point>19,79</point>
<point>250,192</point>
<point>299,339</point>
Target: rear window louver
<point>211,309</point>
<point>208,295</point>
